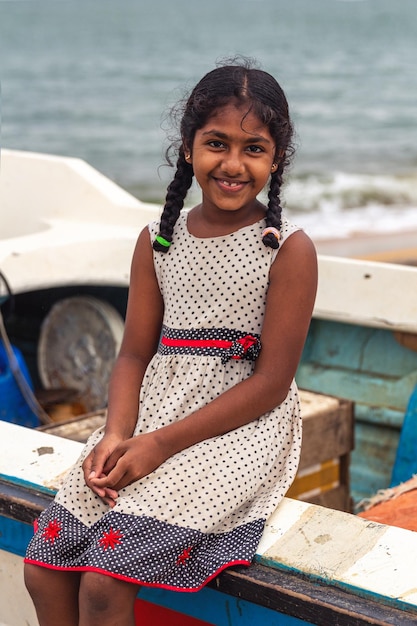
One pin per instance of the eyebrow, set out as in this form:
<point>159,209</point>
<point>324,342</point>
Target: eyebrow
<point>251,138</point>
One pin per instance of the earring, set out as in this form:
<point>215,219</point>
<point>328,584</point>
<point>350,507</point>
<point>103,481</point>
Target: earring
<point>274,167</point>
<point>187,157</point>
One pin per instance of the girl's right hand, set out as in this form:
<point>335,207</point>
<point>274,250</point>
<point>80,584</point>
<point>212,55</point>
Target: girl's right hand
<point>93,467</point>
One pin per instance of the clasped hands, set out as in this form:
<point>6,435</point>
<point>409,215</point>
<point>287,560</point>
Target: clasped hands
<point>115,463</point>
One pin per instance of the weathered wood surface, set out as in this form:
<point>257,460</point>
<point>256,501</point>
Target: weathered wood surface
<point>78,428</point>
<point>20,503</point>
<point>316,603</point>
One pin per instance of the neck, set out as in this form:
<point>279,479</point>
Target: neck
<point>208,223</point>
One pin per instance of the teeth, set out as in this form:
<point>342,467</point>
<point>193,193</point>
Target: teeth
<point>225,182</point>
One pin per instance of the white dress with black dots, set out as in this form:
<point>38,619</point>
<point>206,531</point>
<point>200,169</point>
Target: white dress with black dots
<point>204,509</point>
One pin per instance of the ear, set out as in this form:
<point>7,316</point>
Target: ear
<point>187,153</point>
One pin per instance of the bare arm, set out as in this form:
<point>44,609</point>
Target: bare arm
<point>139,344</point>
<point>140,341</point>
<point>291,294</point>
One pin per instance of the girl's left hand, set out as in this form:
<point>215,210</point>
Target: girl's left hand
<point>130,461</point>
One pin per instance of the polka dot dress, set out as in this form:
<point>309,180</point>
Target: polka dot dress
<point>205,508</point>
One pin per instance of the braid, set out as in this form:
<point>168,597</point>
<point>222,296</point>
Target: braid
<point>174,202</point>
<point>273,213</point>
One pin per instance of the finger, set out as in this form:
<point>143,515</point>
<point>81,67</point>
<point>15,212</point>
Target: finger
<point>118,478</point>
<point>87,463</point>
<point>112,460</point>
<point>105,493</point>
<point>108,481</point>
<point>111,502</point>
<point>111,493</point>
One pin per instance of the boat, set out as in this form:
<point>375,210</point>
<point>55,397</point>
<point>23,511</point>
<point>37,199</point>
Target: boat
<point>67,235</point>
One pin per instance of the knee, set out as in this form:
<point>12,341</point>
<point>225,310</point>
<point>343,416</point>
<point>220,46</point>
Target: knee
<point>97,594</point>
<point>103,597</point>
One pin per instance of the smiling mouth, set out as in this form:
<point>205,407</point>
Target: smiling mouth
<point>225,182</point>
<point>231,184</point>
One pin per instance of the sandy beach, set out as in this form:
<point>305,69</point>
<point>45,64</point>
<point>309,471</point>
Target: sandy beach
<point>400,247</point>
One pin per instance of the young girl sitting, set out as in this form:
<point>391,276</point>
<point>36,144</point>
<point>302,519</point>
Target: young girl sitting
<point>203,431</point>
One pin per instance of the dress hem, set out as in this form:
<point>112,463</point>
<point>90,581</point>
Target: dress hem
<point>135,581</point>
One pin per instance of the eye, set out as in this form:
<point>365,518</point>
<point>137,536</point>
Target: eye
<point>255,149</point>
<point>216,143</point>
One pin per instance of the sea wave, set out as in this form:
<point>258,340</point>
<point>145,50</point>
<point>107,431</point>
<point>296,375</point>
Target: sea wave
<point>342,205</point>
<point>342,191</point>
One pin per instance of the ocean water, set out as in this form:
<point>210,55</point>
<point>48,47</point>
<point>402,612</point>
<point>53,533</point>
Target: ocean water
<point>96,79</point>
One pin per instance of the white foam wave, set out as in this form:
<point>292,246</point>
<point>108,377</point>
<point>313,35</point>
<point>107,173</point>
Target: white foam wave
<point>345,204</point>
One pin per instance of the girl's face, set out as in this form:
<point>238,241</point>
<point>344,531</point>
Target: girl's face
<point>232,157</point>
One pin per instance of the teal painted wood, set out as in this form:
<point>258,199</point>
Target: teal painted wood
<point>405,465</point>
<point>369,367</point>
<point>372,459</point>
<point>14,535</point>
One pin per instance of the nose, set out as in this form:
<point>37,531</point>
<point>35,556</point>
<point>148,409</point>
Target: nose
<point>232,164</point>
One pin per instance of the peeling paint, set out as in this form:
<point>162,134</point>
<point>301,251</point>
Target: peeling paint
<point>306,548</point>
<point>44,450</point>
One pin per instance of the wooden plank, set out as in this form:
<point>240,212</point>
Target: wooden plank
<point>371,293</point>
<point>327,428</point>
<point>79,428</point>
<point>337,498</point>
<point>315,603</point>
<point>20,503</point>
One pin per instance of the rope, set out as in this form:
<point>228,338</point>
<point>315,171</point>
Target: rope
<point>21,381</point>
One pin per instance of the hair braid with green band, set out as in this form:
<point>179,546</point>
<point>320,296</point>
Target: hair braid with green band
<point>174,202</point>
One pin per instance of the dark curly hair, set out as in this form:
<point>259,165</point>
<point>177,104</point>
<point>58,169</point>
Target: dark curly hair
<point>245,85</point>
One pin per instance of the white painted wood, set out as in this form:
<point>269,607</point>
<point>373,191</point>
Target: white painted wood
<point>371,293</point>
<point>343,549</point>
<point>35,457</point>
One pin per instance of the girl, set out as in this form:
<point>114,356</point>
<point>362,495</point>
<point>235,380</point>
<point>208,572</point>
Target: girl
<point>203,432</point>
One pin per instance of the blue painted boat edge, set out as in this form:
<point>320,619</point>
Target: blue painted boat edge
<point>27,484</point>
<point>14,535</point>
<point>217,607</point>
<point>395,603</point>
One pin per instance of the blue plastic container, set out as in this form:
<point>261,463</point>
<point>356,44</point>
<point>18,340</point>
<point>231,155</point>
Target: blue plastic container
<point>13,406</point>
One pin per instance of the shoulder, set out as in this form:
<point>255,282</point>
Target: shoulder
<point>294,237</point>
<point>296,263</point>
<point>143,252</point>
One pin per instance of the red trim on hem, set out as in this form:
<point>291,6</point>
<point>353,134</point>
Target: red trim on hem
<point>135,581</point>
